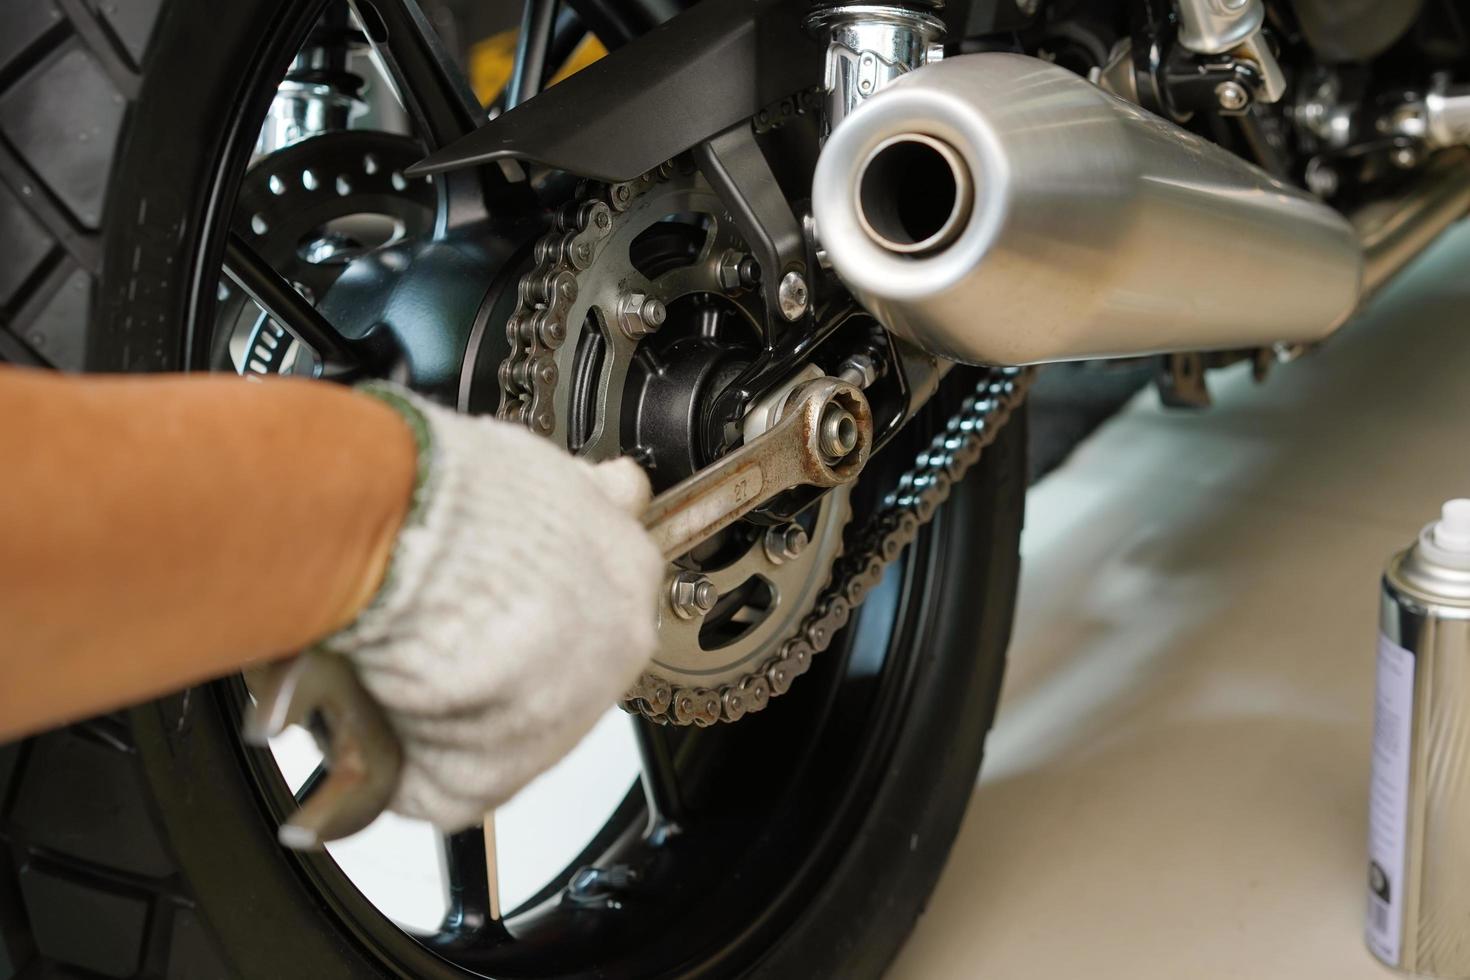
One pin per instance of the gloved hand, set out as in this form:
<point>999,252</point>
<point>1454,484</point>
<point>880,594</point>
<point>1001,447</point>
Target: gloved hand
<point>519,605</point>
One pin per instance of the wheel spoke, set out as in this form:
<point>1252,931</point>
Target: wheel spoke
<point>533,47</point>
<point>474,887</point>
<point>432,88</point>
<point>492,867</point>
<point>309,785</point>
<point>284,304</point>
<point>666,814</point>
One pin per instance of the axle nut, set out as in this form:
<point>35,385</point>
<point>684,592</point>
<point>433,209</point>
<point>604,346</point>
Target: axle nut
<point>839,433</point>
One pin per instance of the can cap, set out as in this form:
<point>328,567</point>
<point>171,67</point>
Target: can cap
<point>1445,543</point>
<point>1452,530</point>
<point>1436,569</point>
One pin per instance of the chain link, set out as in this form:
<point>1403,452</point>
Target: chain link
<point>546,293</point>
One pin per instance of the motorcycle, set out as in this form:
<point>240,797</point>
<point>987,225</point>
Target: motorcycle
<point>795,259</point>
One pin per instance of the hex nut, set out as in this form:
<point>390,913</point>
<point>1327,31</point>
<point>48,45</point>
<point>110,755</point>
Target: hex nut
<point>785,543</point>
<point>640,315</point>
<point>692,595</point>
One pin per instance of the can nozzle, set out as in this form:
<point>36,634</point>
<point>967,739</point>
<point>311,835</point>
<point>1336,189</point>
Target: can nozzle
<point>1452,530</point>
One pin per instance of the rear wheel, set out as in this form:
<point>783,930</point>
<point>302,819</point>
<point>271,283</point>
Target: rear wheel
<point>143,844</point>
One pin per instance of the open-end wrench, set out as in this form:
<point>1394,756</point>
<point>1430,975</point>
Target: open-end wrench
<point>321,692</point>
<point>820,434</point>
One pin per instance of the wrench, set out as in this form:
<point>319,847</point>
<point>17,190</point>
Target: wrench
<point>821,436</point>
<point>321,692</point>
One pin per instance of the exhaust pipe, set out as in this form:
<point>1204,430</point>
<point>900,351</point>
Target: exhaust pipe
<point>997,209</point>
<point>1393,232</point>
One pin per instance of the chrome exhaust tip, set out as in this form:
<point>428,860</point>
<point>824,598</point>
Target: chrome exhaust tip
<point>914,194</point>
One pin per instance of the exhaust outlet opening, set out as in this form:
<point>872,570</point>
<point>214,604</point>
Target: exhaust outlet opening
<point>914,194</point>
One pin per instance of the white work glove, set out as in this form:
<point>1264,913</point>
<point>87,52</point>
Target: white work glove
<point>519,605</point>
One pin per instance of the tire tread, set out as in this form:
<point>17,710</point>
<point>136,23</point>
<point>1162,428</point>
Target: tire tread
<point>49,204</point>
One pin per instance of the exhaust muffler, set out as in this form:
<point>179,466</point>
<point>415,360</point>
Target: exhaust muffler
<point>997,209</point>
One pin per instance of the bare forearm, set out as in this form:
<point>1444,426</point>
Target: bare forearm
<point>155,532</point>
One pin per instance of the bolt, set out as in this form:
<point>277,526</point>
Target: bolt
<point>793,295</point>
<point>1232,96</point>
<point>1322,180</point>
<point>785,543</point>
<point>1404,158</point>
<point>600,887</point>
<point>839,432</point>
<point>640,315</point>
<point>739,271</point>
<point>858,371</point>
<point>692,595</point>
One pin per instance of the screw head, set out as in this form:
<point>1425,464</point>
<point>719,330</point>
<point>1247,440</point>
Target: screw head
<point>691,595</point>
<point>793,295</point>
<point>1232,96</point>
<point>785,543</point>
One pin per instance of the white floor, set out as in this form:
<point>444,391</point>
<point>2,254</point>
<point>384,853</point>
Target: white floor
<point>1176,785</point>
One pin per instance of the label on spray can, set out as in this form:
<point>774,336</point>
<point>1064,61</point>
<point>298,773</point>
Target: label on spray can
<point>1388,808</point>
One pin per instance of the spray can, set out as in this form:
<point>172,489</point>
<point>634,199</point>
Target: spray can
<point>1419,811</point>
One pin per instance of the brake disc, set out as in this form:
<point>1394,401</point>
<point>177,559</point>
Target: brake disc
<point>308,210</point>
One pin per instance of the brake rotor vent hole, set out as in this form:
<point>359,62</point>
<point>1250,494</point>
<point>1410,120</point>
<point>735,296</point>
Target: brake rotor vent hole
<point>914,194</point>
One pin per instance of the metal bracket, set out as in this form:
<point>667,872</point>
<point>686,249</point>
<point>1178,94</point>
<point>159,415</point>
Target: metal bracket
<point>697,75</point>
<point>736,168</point>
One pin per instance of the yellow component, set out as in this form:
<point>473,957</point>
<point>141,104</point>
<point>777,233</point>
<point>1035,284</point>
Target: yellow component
<point>588,50</point>
<point>491,61</point>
